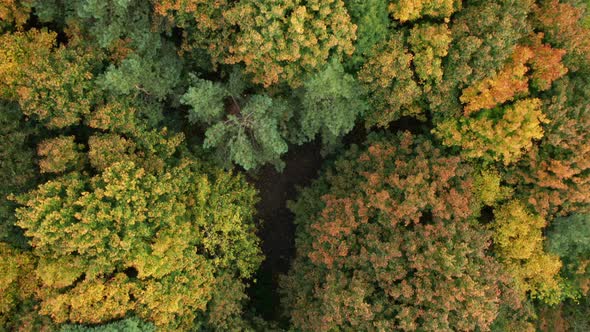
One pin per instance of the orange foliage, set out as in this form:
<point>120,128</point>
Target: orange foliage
<point>505,85</point>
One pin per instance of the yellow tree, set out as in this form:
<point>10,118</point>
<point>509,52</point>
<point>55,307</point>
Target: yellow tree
<point>518,243</point>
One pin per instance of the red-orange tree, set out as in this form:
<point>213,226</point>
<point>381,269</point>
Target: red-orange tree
<point>386,241</point>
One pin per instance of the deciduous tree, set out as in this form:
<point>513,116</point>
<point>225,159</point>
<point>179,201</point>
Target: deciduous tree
<point>385,241</point>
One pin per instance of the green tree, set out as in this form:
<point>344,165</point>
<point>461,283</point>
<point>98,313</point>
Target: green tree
<point>125,325</point>
<point>248,130</point>
<point>569,237</point>
<point>386,241</point>
<point>372,21</point>
<point>17,168</point>
<point>331,102</point>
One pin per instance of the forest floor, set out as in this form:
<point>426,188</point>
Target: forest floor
<point>277,229</point>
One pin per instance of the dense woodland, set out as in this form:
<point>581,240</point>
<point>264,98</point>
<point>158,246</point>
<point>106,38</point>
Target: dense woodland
<point>294,165</point>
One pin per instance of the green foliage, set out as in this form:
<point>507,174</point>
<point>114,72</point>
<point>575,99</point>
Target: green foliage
<point>569,237</point>
<point>154,72</point>
<point>166,226</point>
<point>206,99</point>
<point>331,104</point>
<point>372,21</point>
<point>246,130</point>
<point>125,325</point>
<point>386,241</point>
<point>252,137</point>
<point>17,168</point>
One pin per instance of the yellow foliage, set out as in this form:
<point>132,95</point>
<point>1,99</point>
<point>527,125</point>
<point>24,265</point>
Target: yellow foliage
<point>518,242</point>
<point>489,188</point>
<point>409,10</point>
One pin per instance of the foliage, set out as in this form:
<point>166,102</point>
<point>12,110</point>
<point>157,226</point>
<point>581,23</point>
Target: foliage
<point>429,43</point>
<point>149,243</point>
<point>331,104</point>
<point>51,83</point>
<point>18,285</point>
<point>13,12</point>
<point>59,154</point>
<point>410,10</point>
<point>17,168</point>
<point>372,21</point>
<point>489,187</point>
<point>285,42</point>
<point>503,134</point>
<point>553,176</point>
<point>388,78</point>
<point>484,36</point>
<point>518,242</point>
<point>378,244</point>
<point>569,237</point>
<point>127,325</point>
<point>246,130</point>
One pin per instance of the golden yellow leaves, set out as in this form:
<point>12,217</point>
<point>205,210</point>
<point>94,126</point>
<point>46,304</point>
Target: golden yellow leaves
<point>286,49</point>
<point>59,154</point>
<point>511,81</point>
<point>518,241</point>
<point>50,83</point>
<point>409,10</point>
<point>503,137</point>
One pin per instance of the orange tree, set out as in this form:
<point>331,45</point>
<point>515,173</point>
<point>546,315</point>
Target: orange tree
<point>386,240</point>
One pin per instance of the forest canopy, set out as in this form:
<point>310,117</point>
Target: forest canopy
<point>296,165</point>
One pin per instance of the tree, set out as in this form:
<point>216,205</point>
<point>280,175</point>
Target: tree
<point>502,134</point>
<point>129,240</point>
<point>484,37</point>
<point>287,42</point>
<point>51,83</point>
<point>410,10</point>
<point>388,79</point>
<point>386,241</point>
<point>59,154</point>
<point>429,43</point>
<point>17,167</point>
<point>518,242</point>
<point>246,130</point>
<point>14,13</point>
<point>127,325</point>
<point>18,286</point>
<point>372,21</point>
<point>569,237</point>
<point>331,104</point>
<point>553,176</point>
